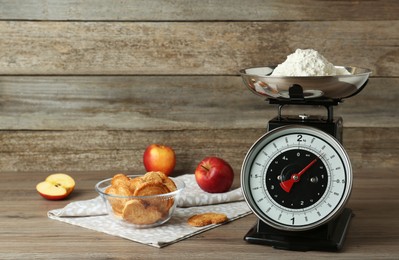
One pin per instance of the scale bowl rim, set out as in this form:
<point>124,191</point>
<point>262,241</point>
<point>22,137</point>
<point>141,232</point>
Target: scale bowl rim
<point>334,86</point>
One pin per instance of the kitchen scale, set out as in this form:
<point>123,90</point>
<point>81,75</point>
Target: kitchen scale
<point>297,177</point>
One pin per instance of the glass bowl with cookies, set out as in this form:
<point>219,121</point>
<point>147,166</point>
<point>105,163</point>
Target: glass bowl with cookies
<point>140,201</point>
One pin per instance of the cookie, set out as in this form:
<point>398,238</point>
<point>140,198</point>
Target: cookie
<point>120,179</point>
<point>136,212</point>
<point>117,204</point>
<point>163,203</point>
<point>156,176</point>
<point>169,184</point>
<point>150,188</point>
<point>205,219</point>
<point>134,183</point>
<point>152,177</point>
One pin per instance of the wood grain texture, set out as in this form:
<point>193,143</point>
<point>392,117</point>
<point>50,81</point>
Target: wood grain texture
<point>27,233</point>
<point>105,123</point>
<point>186,48</point>
<point>183,10</point>
<point>167,103</point>
<point>48,151</point>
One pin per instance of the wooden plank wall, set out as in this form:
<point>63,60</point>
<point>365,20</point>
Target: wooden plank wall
<point>87,85</point>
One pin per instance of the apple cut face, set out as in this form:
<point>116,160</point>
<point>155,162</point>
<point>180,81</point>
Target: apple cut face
<point>51,191</point>
<point>62,180</point>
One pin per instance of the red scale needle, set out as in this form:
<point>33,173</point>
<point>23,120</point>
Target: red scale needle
<point>287,185</point>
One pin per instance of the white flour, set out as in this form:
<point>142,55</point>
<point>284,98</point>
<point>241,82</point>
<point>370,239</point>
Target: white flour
<point>307,62</point>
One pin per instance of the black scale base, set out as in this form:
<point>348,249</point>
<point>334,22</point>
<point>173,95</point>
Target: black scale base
<point>329,237</point>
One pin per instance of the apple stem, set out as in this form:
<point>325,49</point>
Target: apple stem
<point>207,169</point>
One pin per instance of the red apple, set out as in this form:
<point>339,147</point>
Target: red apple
<point>56,186</point>
<point>214,175</point>
<point>159,158</point>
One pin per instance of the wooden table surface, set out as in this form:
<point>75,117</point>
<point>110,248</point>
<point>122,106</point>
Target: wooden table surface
<point>27,233</point>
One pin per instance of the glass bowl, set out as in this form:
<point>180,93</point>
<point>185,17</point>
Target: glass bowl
<point>140,211</point>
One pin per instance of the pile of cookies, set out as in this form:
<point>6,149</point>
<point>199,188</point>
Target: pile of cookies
<point>141,211</point>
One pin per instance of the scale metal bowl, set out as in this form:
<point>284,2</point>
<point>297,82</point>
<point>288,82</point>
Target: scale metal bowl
<point>259,81</point>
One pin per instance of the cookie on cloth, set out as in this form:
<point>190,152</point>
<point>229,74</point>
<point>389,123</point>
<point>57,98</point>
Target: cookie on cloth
<point>205,219</point>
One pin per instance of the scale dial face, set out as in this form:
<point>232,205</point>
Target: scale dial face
<point>296,178</point>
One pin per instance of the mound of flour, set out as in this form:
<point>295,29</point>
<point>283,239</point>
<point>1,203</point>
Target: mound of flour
<point>307,62</point>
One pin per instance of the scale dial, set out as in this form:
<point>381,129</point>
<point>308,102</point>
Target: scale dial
<point>296,178</point>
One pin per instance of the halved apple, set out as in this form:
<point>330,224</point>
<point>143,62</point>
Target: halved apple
<point>56,186</point>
